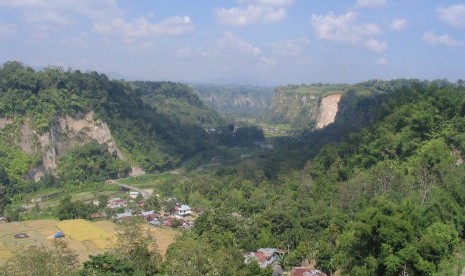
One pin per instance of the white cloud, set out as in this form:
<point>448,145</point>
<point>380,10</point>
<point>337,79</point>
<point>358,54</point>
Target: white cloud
<point>6,29</point>
<point>233,44</point>
<point>143,28</point>
<point>45,16</point>
<point>265,62</point>
<point>75,42</point>
<point>251,14</point>
<point>49,16</point>
<point>273,3</point>
<point>398,24</point>
<point>453,15</point>
<point>445,39</point>
<point>288,48</point>
<point>376,46</point>
<point>184,52</point>
<point>343,28</point>
<point>209,53</point>
<point>371,3</point>
<point>382,61</point>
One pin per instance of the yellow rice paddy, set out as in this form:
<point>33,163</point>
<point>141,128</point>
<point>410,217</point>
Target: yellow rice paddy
<point>84,237</point>
<point>82,230</point>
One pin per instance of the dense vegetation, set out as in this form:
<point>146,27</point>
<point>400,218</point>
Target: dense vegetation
<point>379,192</point>
<point>383,197</point>
<point>154,135</point>
<point>178,102</point>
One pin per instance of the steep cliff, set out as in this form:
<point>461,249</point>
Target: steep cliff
<point>66,133</point>
<point>305,106</point>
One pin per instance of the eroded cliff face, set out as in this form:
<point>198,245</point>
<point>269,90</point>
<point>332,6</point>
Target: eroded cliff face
<point>304,107</point>
<point>66,133</point>
<point>327,110</point>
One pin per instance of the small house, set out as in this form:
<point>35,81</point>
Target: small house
<point>265,256</point>
<point>116,203</point>
<point>149,215</point>
<point>184,211</point>
<point>123,215</point>
<point>134,194</point>
<point>155,222</point>
<point>3,220</point>
<point>305,271</point>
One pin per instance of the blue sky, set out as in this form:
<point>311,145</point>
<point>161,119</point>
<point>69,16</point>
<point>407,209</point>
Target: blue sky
<point>263,42</point>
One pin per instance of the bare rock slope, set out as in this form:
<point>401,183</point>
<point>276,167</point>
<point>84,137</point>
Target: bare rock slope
<point>66,133</point>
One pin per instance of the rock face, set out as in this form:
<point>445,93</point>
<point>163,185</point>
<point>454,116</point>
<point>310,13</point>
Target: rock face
<point>66,133</point>
<point>328,109</point>
<point>305,107</point>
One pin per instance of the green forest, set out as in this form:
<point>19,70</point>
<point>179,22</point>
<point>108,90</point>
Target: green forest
<point>381,191</point>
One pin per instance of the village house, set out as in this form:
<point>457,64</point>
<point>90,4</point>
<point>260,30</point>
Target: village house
<point>306,271</point>
<point>124,215</point>
<point>3,220</point>
<point>134,195</point>
<point>116,203</point>
<point>265,256</point>
<point>155,222</point>
<point>184,211</point>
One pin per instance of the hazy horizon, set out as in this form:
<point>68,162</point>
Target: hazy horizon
<point>254,42</point>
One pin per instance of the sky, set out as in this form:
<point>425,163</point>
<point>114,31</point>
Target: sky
<point>258,42</point>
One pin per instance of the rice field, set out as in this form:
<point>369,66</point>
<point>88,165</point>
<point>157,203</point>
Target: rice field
<point>84,237</point>
<point>82,230</point>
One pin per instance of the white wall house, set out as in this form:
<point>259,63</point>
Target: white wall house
<point>184,211</point>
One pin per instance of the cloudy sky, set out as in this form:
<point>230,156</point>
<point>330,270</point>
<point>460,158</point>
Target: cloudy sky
<point>264,42</point>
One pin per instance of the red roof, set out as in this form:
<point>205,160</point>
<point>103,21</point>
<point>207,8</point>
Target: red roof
<point>260,257</point>
<point>305,271</point>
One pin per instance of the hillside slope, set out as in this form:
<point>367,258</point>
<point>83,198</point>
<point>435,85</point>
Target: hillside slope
<point>45,114</point>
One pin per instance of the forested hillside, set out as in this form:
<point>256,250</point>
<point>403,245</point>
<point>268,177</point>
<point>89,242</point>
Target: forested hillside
<point>384,196</point>
<point>179,102</point>
<point>53,115</point>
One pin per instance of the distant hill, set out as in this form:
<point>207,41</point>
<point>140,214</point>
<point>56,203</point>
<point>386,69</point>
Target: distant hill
<point>179,102</point>
<point>235,100</point>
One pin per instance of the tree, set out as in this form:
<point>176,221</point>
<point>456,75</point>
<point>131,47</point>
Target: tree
<point>380,234</point>
<point>438,242</point>
<point>55,260</point>
<point>135,245</point>
<point>67,209</point>
<point>326,254</point>
<point>152,203</point>
<point>103,200</point>
<point>107,264</point>
<point>196,257</point>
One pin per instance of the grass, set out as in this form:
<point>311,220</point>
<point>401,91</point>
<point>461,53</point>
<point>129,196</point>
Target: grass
<point>164,237</point>
<point>149,180</point>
